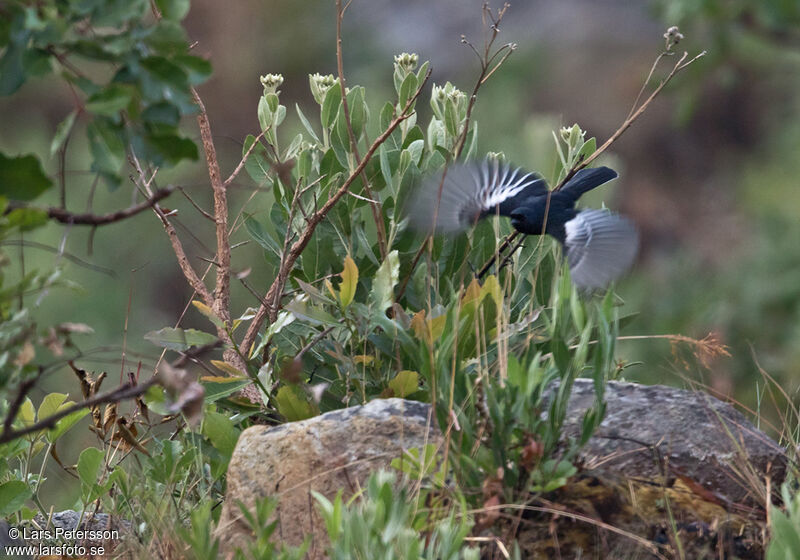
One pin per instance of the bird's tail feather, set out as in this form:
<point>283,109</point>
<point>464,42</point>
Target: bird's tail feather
<point>587,179</point>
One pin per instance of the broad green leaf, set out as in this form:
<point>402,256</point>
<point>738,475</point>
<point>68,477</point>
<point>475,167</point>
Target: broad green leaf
<point>62,131</point>
<point>221,387</point>
<point>63,425</point>
<point>221,431</point>
<point>171,148</point>
<point>13,495</point>
<point>404,383</point>
<point>347,289</point>
<point>26,413</point>
<point>174,10</point>
<point>293,403</point>
<point>26,219</point>
<point>259,233</point>
<point>179,339</point>
<point>258,162</point>
<point>386,279</point>
<point>22,178</point>
<point>50,404</point>
<point>110,101</point>
<point>89,463</point>
<point>198,69</point>
<point>330,106</point>
<point>407,90</point>
<point>303,311</point>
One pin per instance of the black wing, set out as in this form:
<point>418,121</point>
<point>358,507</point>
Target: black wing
<point>600,247</point>
<point>470,192</point>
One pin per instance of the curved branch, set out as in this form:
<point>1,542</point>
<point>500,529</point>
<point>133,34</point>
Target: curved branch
<point>87,219</point>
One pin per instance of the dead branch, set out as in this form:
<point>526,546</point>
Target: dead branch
<point>121,393</point>
<point>222,292</point>
<point>88,219</point>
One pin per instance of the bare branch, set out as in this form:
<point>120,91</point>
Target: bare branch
<point>123,392</point>
<point>222,292</point>
<point>87,219</point>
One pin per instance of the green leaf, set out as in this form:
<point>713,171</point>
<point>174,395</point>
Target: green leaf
<point>451,119</point>
<point>63,425</point>
<point>50,404</point>
<point>306,124</point>
<point>179,339</point>
<point>221,431</point>
<point>13,495</point>
<point>62,132</point>
<point>22,178</point>
<point>259,233</point>
<point>108,149</point>
<point>26,413</point>
<point>347,289</point>
<point>313,315</point>
<point>171,148</point>
<point>330,106</point>
<point>27,219</point>
<point>407,90</point>
<point>109,101</point>
<point>258,162</point>
<point>386,279</point>
<point>89,463</point>
<point>162,113</point>
<point>293,403</point>
<point>404,383</point>
<point>197,68</point>
<point>174,10</point>
<point>358,110</point>
<point>220,387</point>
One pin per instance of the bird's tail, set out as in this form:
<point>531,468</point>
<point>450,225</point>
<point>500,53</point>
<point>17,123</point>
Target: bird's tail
<point>587,179</point>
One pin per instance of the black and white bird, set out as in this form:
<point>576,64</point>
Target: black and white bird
<point>599,245</point>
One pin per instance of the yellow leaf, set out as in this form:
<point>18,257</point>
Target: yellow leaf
<point>208,312</point>
<point>472,292</point>
<point>227,368</point>
<point>363,359</point>
<point>404,383</point>
<point>420,327</point>
<point>347,289</point>
<point>492,288</point>
<point>331,289</point>
<point>436,326</point>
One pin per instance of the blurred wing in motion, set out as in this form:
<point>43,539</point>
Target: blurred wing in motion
<point>470,192</point>
<point>600,248</point>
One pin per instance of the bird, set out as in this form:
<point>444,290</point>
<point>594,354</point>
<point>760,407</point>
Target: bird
<point>599,245</point>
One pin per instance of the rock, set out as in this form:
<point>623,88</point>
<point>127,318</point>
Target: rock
<point>333,451</point>
<point>655,431</point>
<point>665,464</point>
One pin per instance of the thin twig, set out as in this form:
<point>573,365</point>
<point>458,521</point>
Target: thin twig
<point>243,161</point>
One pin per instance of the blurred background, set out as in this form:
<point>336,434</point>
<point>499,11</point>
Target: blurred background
<point>710,173</point>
